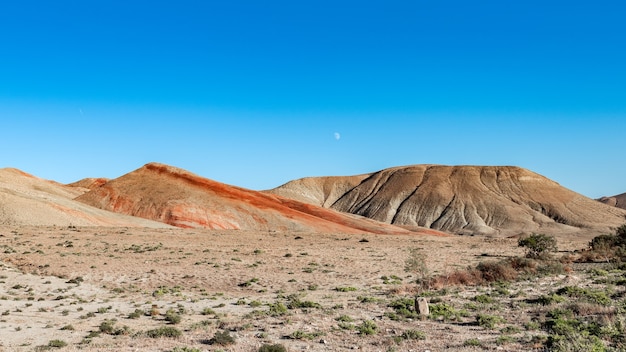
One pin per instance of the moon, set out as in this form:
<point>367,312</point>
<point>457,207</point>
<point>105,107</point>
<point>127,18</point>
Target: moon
<point>337,136</point>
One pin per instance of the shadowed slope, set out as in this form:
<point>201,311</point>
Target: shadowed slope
<point>466,200</point>
<point>615,201</point>
<point>29,200</point>
<point>182,199</point>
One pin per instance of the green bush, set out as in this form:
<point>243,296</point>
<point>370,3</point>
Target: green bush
<point>413,335</point>
<point>538,245</point>
<point>136,314</point>
<point>57,343</point>
<point>164,331</point>
<point>277,309</point>
<point>593,296</point>
<point>472,342</point>
<point>172,317</point>
<point>222,338</point>
<point>272,348</point>
<point>368,327</point>
<point>488,321</point>
<point>446,312</point>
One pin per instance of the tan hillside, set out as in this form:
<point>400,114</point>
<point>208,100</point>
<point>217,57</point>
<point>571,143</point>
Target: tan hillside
<point>460,199</point>
<point>89,183</point>
<point>29,200</point>
<point>615,201</point>
<point>180,198</point>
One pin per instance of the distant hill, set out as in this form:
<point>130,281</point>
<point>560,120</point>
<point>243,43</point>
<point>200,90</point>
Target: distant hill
<point>615,201</point>
<point>177,197</point>
<point>29,200</point>
<point>502,200</point>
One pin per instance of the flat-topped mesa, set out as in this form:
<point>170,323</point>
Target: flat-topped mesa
<point>181,198</point>
<point>504,200</point>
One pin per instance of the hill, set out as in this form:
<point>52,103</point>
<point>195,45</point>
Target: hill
<point>502,200</point>
<point>29,200</point>
<point>177,197</point>
<point>615,201</point>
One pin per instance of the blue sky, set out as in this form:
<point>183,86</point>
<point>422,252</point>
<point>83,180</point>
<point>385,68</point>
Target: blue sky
<point>258,93</point>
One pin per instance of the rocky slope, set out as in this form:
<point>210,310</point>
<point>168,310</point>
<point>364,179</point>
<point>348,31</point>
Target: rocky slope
<point>180,198</point>
<point>459,199</point>
<point>615,201</point>
<point>29,200</point>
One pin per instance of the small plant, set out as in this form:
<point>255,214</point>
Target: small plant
<point>208,311</point>
<point>413,335</point>
<point>368,327</point>
<point>472,343</point>
<point>107,327</point>
<point>483,299</point>
<point>446,312</point>
<point>57,343</point>
<point>172,317</point>
<point>345,289</point>
<point>416,264</point>
<point>301,335</point>
<point>136,314</point>
<point>488,321</point>
<point>344,318</point>
<point>185,349</point>
<point>272,348</point>
<point>538,245</point>
<point>222,338</point>
<point>295,302</point>
<point>164,331</point>
<point>277,309</point>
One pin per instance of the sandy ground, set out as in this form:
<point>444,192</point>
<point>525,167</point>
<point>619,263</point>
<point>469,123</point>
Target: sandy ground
<point>62,283</point>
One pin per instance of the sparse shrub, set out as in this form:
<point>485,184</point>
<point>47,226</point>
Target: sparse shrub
<point>294,303</point>
<point>488,321</point>
<point>413,335</point>
<point>345,289</point>
<point>472,343</point>
<point>103,310</point>
<point>367,327</point>
<point>549,299</point>
<point>107,327</point>
<point>510,330</point>
<point>532,325</point>
<point>272,348</point>
<point>538,245</point>
<point>344,318</point>
<point>301,335</point>
<point>222,338</point>
<point>445,311</point>
<point>172,317</point>
<point>277,309</point>
<point>483,299</point>
<point>208,311</point>
<point>497,271</point>
<point>599,297</point>
<point>185,349</point>
<point>164,331</point>
<point>504,339</point>
<point>136,314</point>
<point>404,309</point>
<point>416,264</point>
<point>57,343</point>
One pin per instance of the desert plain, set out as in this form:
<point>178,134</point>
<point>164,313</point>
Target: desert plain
<point>90,281</point>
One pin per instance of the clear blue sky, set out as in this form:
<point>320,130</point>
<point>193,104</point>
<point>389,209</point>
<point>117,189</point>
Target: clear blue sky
<point>256,93</point>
